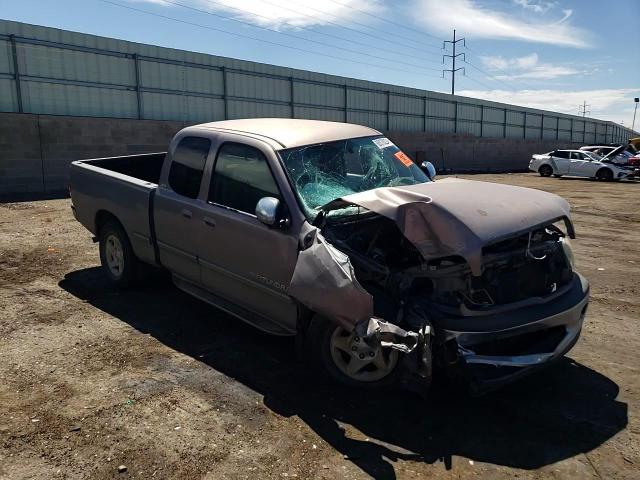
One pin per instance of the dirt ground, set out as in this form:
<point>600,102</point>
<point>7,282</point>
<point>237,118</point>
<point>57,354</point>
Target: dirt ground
<point>92,379</point>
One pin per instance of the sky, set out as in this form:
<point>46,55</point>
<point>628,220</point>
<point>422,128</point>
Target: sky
<point>547,54</point>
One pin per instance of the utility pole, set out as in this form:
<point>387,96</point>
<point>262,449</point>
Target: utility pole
<point>633,124</point>
<point>453,57</point>
<point>584,110</point>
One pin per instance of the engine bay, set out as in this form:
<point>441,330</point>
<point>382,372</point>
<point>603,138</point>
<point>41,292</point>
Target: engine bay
<point>530,265</point>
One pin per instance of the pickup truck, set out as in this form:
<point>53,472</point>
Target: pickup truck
<point>330,233</point>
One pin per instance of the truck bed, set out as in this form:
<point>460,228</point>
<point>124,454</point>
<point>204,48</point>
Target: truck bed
<point>123,187</point>
<point>145,167</point>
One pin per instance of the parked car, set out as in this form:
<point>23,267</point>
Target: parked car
<point>621,156</point>
<point>579,163</point>
<point>330,233</point>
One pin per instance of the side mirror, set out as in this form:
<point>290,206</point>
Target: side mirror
<point>267,210</point>
<point>429,169</point>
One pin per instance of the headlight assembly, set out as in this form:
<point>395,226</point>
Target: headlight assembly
<point>568,252</point>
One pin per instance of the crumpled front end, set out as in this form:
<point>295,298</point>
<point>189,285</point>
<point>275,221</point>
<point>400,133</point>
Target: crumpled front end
<point>490,350</point>
<point>486,293</point>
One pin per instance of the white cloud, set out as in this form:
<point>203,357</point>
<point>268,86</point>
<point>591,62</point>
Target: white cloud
<point>527,67</point>
<point>284,13</point>
<point>473,20</point>
<point>542,72</point>
<point>606,104</point>
<point>535,6</point>
<point>567,13</point>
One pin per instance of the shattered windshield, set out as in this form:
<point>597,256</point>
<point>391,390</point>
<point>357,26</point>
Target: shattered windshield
<point>324,172</point>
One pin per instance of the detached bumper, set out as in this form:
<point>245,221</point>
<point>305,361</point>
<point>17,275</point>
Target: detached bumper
<point>495,349</point>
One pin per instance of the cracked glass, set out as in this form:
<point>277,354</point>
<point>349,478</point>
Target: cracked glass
<point>321,173</point>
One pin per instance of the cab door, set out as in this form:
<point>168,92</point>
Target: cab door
<point>560,161</point>
<point>176,208</point>
<point>584,165</point>
<point>577,164</point>
<point>242,259</point>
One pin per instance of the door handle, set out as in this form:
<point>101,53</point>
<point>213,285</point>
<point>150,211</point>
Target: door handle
<point>186,213</point>
<point>208,221</point>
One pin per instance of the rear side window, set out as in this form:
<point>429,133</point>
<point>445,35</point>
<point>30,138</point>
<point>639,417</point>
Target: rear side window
<point>187,166</point>
<point>241,178</point>
<point>561,154</point>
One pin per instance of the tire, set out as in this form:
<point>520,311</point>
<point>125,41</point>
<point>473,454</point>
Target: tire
<point>545,171</point>
<point>333,362</point>
<point>604,175</point>
<point>119,263</point>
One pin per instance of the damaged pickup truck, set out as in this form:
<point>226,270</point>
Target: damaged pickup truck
<point>329,232</point>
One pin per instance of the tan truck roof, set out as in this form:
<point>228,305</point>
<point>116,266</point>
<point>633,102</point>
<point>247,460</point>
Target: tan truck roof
<point>290,132</point>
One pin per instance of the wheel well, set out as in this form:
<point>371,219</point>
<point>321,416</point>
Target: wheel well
<point>545,165</point>
<point>602,169</point>
<point>103,217</point>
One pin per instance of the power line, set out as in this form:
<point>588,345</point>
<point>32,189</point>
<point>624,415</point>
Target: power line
<point>297,37</point>
<point>405,27</point>
<point>343,39</point>
<point>478,82</point>
<point>488,75</point>
<point>377,36</point>
<point>474,51</point>
<point>186,22</point>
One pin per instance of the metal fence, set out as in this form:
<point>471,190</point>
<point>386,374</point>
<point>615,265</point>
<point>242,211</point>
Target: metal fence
<point>50,71</point>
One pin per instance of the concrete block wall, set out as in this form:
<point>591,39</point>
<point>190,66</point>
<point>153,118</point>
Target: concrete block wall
<point>20,155</point>
<point>35,150</point>
<point>65,139</point>
<point>465,153</point>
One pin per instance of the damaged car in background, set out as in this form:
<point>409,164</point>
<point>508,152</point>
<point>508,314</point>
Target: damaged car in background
<point>330,233</point>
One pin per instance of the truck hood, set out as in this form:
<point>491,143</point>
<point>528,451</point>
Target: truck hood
<point>459,217</point>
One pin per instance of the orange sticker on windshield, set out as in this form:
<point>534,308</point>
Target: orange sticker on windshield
<point>404,159</point>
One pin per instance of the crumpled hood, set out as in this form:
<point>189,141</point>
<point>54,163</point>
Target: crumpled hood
<point>459,217</point>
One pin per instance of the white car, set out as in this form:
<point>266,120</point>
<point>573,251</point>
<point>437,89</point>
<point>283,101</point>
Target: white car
<point>578,163</point>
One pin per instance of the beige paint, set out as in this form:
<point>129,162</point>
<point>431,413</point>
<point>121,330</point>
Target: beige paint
<point>459,217</point>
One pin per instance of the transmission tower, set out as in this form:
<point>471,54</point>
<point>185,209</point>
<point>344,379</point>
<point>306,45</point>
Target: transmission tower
<point>453,57</point>
<point>582,109</point>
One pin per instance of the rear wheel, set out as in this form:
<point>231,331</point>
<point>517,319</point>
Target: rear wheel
<point>605,175</point>
<point>346,358</point>
<point>116,255</point>
<point>545,171</point>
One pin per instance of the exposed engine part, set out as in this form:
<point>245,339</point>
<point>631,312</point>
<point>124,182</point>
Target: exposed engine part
<point>531,265</point>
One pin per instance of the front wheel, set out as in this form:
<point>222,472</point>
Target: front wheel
<point>116,255</point>
<point>604,175</point>
<point>346,358</point>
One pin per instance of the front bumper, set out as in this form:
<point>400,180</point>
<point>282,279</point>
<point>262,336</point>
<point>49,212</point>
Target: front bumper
<point>495,349</point>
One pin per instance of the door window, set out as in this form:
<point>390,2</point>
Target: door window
<point>561,154</point>
<point>241,177</point>
<point>577,156</point>
<point>187,165</point>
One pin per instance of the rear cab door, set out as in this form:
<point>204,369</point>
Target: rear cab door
<point>175,208</point>
<point>560,162</point>
<point>242,259</point>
